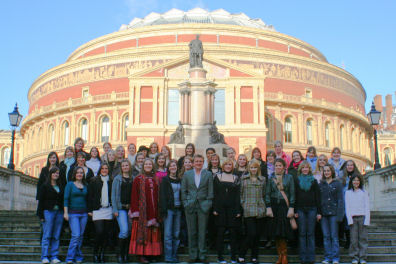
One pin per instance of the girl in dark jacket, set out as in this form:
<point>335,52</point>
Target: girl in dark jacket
<point>171,210</point>
<point>332,203</point>
<point>99,207</point>
<point>227,208</point>
<point>50,211</point>
<point>52,161</point>
<point>256,154</point>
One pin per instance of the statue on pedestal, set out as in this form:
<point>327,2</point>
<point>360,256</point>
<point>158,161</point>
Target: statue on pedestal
<point>196,53</point>
<point>215,136</point>
<point>178,136</point>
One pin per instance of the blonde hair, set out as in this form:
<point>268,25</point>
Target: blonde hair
<point>303,164</point>
<point>226,162</point>
<point>317,169</point>
<point>256,164</point>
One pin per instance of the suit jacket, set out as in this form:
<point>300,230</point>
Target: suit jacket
<point>194,198</point>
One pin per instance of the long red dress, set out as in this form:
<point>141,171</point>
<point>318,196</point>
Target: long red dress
<point>145,241</point>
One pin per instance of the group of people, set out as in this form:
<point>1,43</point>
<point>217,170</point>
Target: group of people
<point>153,203</point>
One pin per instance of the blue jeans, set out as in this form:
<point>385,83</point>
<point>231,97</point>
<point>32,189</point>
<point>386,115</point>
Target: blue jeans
<point>77,222</point>
<point>306,233</point>
<point>52,225</point>
<point>171,234</point>
<point>124,224</point>
<point>330,238</point>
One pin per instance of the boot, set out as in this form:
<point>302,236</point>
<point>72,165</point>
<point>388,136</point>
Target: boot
<point>283,248</point>
<point>278,249</point>
<point>126,249</point>
<point>96,258</point>
<point>121,248</point>
<point>101,255</point>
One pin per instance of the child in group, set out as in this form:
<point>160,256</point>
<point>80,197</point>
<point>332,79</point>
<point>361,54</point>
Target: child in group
<point>357,208</point>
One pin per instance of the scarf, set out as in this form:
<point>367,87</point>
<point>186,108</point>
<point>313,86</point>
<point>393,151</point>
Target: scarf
<point>68,162</point>
<point>305,181</point>
<point>296,164</point>
<point>104,201</point>
<point>279,181</point>
<point>270,168</point>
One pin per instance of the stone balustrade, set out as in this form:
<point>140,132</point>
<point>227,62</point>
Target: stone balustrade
<point>17,191</point>
<point>381,185</point>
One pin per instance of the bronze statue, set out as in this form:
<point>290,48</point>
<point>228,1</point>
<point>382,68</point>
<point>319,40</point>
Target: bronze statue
<point>196,53</point>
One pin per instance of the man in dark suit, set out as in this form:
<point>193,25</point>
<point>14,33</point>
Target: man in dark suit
<point>197,195</point>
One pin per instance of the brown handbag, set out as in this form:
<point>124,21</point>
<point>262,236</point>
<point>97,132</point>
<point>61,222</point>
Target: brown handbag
<point>293,222</point>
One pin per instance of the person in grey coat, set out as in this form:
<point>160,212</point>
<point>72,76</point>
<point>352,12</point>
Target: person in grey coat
<point>197,195</point>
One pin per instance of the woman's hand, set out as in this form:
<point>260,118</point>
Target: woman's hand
<point>318,217</point>
<point>290,212</point>
<point>295,215</point>
<point>66,216</point>
<point>238,215</point>
<point>215,213</point>
<point>90,214</point>
<point>269,212</point>
<point>116,214</point>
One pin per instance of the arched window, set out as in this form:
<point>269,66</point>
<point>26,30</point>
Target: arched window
<point>288,130</point>
<point>309,132</point>
<point>327,134</point>
<point>66,133</point>
<point>342,136</point>
<point>5,156</point>
<point>387,157</point>
<point>125,125</point>
<point>51,136</point>
<point>105,129</point>
<point>219,106</point>
<point>352,139</point>
<point>84,129</point>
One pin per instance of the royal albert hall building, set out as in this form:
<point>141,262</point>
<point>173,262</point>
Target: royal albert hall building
<point>123,88</point>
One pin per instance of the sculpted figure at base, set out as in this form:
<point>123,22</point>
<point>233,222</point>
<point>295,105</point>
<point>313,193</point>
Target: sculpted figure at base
<point>215,136</point>
<point>196,53</point>
<point>178,136</point>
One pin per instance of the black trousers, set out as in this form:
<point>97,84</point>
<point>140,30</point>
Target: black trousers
<point>220,241</point>
<point>254,228</point>
<point>103,230</point>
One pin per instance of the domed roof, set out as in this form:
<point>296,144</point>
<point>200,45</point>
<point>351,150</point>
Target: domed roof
<point>197,15</point>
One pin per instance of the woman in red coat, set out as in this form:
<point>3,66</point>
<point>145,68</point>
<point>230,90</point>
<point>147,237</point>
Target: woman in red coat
<point>146,236</point>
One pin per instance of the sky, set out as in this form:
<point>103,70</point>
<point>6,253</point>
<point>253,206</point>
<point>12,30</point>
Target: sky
<point>359,36</point>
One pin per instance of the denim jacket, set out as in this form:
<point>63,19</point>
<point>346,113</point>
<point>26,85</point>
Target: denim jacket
<point>332,199</point>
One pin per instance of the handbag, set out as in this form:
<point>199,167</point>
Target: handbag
<point>293,222</point>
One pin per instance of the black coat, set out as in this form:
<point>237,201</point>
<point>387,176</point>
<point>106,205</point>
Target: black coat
<point>166,199</point>
<point>263,169</point>
<point>227,202</point>
<point>88,176</point>
<point>62,172</point>
<point>95,193</point>
<point>48,198</point>
<point>44,174</point>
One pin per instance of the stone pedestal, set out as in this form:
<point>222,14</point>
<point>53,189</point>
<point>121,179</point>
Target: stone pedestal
<point>197,113</point>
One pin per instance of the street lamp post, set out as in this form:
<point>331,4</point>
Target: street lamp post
<point>15,118</point>
<point>374,118</point>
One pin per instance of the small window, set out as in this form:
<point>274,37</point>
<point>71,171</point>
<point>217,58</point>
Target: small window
<point>342,136</point>
<point>84,129</point>
<point>308,92</point>
<point>219,107</point>
<point>309,132</point>
<point>66,131</point>
<point>105,136</point>
<point>288,130</point>
<point>85,92</point>
<point>173,107</point>
<point>125,126</point>
<point>327,134</point>
<point>51,134</point>
<point>5,156</point>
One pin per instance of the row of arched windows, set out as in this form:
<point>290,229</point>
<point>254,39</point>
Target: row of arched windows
<point>103,134</point>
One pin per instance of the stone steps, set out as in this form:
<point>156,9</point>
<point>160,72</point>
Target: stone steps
<point>20,233</point>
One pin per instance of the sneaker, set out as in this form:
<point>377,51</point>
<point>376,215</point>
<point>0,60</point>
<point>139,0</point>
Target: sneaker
<point>363,262</point>
<point>355,261</point>
<point>325,262</point>
<point>54,261</point>
<point>336,262</point>
<point>45,261</point>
